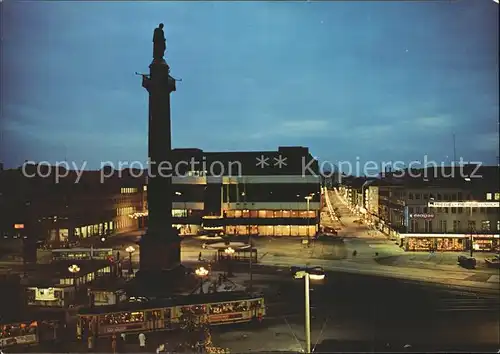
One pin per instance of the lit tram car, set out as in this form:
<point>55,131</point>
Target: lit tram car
<point>165,314</point>
<point>27,333</point>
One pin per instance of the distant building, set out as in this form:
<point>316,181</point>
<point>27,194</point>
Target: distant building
<point>438,211</point>
<point>233,193</point>
<point>37,208</point>
<point>241,193</point>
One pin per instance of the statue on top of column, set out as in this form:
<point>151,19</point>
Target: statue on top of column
<point>159,43</point>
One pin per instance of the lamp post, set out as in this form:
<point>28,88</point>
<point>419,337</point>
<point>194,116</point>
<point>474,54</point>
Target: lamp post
<point>201,272</point>
<point>249,232</point>
<point>229,253</point>
<point>308,200</point>
<point>74,269</point>
<point>308,273</point>
<point>130,250</point>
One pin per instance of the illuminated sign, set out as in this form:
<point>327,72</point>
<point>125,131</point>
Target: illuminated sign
<point>463,204</point>
<point>226,317</point>
<point>479,236</point>
<point>422,216</point>
<point>45,294</point>
<point>18,226</point>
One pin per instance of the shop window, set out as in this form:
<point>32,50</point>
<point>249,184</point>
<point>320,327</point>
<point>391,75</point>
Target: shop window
<point>485,225</point>
<point>303,214</point>
<point>246,213</point>
<point>294,214</point>
<point>278,214</point>
<point>286,213</point>
<point>230,214</point>
<point>254,214</point>
<point>237,213</point>
<point>262,213</point>
<point>265,230</point>
<point>270,214</point>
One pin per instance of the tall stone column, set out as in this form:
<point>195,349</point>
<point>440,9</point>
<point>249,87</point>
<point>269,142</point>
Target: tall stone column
<point>160,245</point>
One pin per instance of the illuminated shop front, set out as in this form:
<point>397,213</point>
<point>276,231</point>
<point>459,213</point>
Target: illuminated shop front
<point>450,242</point>
<point>271,230</point>
<point>59,296</point>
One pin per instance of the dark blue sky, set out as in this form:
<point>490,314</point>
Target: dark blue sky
<point>375,80</point>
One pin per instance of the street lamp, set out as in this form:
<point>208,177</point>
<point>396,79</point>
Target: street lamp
<point>130,250</point>
<point>201,272</point>
<point>229,252</point>
<point>308,200</point>
<point>308,273</point>
<point>74,269</point>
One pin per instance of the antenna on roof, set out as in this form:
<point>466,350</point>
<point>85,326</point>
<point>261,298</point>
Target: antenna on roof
<point>454,150</point>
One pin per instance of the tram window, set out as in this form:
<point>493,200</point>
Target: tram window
<point>195,309</point>
<point>228,307</point>
<point>154,315</point>
<point>16,330</point>
<point>122,317</point>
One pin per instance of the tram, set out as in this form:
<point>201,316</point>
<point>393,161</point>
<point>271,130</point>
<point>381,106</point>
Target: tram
<point>167,314</point>
<point>70,254</point>
<point>27,333</point>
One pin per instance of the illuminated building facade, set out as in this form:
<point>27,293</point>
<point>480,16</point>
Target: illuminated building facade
<point>232,193</point>
<point>438,212</point>
<point>69,209</point>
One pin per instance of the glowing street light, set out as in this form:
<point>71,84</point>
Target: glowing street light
<point>130,250</point>
<point>74,269</point>
<point>308,273</point>
<point>201,272</point>
<point>229,253</point>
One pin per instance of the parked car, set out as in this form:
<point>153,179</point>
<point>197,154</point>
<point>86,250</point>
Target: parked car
<point>493,262</point>
<point>467,262</point>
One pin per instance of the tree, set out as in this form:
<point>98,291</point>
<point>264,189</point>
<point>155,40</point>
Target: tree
<point>194,323</point>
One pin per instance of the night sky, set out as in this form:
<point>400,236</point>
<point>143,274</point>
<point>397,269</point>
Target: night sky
<point>380,81</point>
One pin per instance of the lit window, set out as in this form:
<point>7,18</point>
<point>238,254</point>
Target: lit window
<point>497,196</point>
<point>488,196</point>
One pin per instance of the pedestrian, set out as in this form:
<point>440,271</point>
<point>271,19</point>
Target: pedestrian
<point>90,342</point>
<point>142,340</point>
<point>121,344</point>
<point>113,343</point>
<point>199,257</point>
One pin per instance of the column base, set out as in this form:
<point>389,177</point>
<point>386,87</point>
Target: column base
<point>160,272</point>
